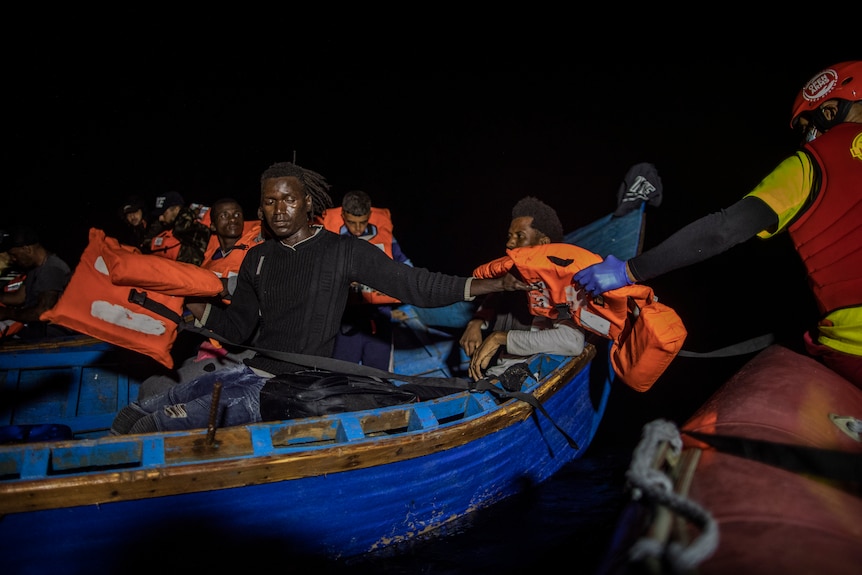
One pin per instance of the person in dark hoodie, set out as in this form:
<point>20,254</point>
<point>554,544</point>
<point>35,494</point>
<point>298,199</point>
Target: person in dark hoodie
<point>47,276</point>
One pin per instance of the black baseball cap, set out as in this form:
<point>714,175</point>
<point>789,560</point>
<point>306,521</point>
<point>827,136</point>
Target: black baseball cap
<point>167,200</point>
<point>133,204</point>
<point>18,237</point>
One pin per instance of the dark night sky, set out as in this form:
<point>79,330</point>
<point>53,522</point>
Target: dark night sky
<point>448,132</point>
<point>448,140</point>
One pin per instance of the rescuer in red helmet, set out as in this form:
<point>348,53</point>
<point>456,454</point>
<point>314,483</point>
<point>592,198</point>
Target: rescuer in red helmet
<point>815,195</point>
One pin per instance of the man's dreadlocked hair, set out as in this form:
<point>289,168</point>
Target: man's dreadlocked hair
<point>314,184</point>
<point>545,218</point>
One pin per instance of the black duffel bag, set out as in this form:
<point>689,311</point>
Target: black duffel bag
<point>310,393</point>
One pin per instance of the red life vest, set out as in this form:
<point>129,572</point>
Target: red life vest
<point>381,219</point>
<point>646,334</point>
<point>129,299</point>
<point>828,234</point>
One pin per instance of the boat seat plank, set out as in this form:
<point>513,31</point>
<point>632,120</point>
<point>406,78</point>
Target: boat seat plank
<point>44,395</point>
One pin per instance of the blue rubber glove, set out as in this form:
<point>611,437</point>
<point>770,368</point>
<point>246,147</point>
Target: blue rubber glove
<point>603,276</point>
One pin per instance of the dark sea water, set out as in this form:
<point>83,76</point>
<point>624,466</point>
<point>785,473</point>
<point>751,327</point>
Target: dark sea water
<point>567,520</point>
<point>565,524</point>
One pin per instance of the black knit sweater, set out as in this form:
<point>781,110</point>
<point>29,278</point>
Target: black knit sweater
<point>295,297</point>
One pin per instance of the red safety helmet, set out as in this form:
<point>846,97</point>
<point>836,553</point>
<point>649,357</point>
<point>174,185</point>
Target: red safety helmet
<point>842,81</point>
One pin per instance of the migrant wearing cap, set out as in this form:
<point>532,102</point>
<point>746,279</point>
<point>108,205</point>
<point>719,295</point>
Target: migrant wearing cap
<point>175,231</point>
<point>815,195</point>
<point>133,222</point>
<point>47,275</point>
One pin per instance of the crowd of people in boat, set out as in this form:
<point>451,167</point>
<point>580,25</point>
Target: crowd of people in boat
<point>296,280</point>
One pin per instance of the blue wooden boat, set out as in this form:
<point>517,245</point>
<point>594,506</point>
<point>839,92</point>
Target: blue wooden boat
<point>74,498</point>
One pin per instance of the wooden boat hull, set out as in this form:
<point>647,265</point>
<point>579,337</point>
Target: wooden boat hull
<point>776,510</point>
<point>335,486</point>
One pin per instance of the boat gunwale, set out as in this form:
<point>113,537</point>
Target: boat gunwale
<point>181,469</point>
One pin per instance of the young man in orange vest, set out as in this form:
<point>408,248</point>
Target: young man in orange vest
<point>366,328</point>
<point>507,314</point>
<point>232,237</point>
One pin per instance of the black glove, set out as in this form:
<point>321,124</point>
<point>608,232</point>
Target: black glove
<point>641,184</point>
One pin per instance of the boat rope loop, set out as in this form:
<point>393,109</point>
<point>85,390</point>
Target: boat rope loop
<point>649,483</point>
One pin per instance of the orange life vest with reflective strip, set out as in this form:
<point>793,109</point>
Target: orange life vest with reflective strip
<point>381,219</point>
<point>130,299</point>
<point>646,334</point>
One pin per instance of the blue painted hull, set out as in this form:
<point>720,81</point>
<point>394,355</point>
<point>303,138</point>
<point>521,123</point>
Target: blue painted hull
<point>341,514</point>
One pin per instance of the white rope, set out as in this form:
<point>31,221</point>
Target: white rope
<point>656,487</point>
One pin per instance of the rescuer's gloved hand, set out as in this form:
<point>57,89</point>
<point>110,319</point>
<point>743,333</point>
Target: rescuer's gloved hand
<point>604,276</point>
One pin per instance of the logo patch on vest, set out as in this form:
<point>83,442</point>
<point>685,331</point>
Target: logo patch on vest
<point>856,147</point>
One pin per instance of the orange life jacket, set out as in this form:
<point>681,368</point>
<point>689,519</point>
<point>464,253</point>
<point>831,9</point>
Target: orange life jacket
<point>646,334</point>
<point>165,245</point>
<point>129,299</point>
<point>227,267</point>
<point>381,219</point>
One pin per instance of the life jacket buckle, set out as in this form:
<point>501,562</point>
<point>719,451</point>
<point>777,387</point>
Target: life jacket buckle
<point>137,297</point>
<point>563,311</point>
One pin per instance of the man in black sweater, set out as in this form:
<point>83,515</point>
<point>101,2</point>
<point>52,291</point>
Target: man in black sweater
<point>290,295</point>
